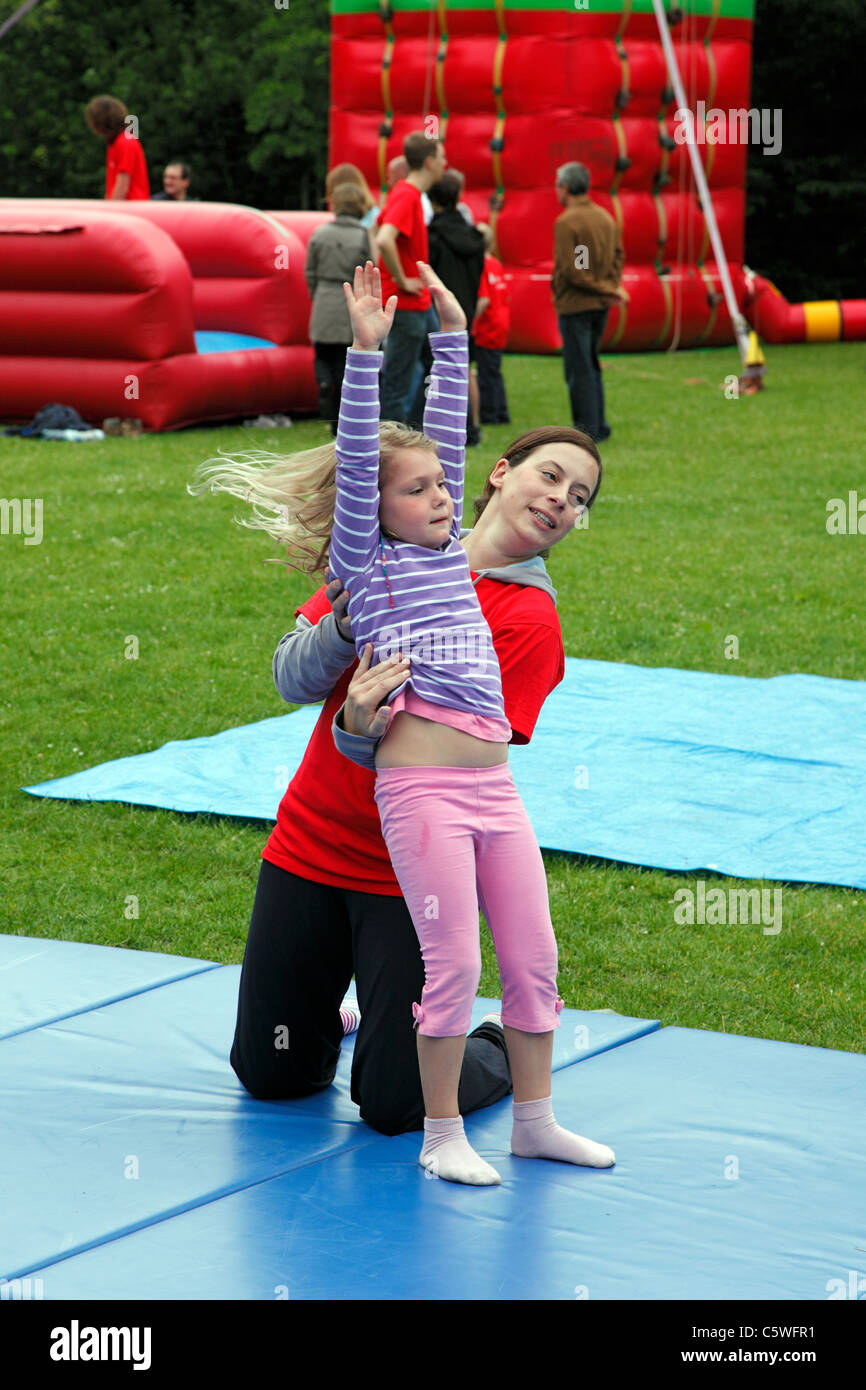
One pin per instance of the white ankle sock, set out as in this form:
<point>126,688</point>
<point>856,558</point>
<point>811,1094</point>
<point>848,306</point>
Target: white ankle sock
<point>536,1134</point>
<point>448,1154</point>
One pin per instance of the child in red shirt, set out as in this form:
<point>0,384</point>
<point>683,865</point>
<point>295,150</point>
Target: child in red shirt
<point>492,321</point>
<point>125,165</point>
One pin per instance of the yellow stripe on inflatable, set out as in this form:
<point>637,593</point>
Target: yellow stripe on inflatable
<point>823,321</point>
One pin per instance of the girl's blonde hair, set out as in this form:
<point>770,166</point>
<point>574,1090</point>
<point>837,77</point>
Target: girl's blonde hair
<point>293,498</point>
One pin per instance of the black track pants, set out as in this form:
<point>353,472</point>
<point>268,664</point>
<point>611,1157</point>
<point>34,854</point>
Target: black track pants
<point>305,941</point>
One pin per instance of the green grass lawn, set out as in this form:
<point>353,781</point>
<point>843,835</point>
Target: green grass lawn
<point>710,525</point>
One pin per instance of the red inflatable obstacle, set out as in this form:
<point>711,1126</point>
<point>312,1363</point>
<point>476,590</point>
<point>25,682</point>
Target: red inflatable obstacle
<point>817,321</point>
<point>169,312</point>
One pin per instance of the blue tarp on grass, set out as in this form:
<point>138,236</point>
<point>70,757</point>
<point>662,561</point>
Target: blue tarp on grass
<point>680,770</point>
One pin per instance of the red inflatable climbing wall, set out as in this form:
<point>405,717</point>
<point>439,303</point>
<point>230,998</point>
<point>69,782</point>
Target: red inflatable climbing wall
<point>517,91</point>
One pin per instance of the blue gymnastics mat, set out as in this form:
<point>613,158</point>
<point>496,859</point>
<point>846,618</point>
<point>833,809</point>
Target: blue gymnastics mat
<point>43,981</point>
<point>678,770</point>
<point>739,1175</point>
<point>127,1115</point>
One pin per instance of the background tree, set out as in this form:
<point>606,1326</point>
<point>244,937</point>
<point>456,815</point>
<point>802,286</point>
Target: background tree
<point>239,89</point>
<point>806,206</point>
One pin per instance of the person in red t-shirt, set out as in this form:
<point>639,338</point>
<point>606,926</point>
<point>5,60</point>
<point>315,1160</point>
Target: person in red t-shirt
<point>125,165</point>
<point>492,321</point>
<point>327,902</point>
<point>401,242</point>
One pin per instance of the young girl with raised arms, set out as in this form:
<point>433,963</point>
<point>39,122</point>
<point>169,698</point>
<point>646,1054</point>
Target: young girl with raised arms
<point>456,830</point>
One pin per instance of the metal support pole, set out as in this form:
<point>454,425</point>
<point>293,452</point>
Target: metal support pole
<point>741,328</point>
<point>19,14</point>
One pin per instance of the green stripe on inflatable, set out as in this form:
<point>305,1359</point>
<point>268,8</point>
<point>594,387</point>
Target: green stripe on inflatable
<point>728,9</point>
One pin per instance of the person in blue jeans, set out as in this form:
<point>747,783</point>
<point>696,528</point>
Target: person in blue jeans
<point>401,240</point>
<point>581,335</point>
<point>588,260</point>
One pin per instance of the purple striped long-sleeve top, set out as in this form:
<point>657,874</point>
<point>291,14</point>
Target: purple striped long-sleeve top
<point>435,618</point>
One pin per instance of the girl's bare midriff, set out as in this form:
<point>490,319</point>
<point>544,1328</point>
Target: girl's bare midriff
<point>413,741</point>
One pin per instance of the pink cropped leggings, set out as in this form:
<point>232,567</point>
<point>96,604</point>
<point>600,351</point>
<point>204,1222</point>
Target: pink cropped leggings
<point>459,837</point>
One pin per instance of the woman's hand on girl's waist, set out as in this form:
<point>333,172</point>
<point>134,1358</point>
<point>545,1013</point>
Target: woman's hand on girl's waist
<point>364,712</point>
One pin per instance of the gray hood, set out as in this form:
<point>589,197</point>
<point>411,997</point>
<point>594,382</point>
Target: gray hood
<point>532,574</point>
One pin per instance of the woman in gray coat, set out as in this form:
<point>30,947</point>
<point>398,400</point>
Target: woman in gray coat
<point>332,254</point>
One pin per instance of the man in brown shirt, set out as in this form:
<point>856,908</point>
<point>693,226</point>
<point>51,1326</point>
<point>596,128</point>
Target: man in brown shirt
<point>587,266</point>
